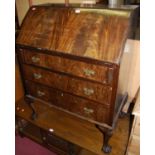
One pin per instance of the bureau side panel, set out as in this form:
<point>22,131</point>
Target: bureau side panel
<point>114,94</point>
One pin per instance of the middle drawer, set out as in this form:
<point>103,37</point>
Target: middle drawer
<point>93,91</point>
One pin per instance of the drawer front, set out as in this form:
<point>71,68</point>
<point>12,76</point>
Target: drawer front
<point>51,140</point>
<point>41,92</point>
<point>88,109</point>
<point>45,77</point>
<point>93,91</point>
<point>82,107</point>
<point>51,95</point>
<point>81,69</point>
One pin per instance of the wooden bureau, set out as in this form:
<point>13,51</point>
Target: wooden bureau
<point>70,59</point>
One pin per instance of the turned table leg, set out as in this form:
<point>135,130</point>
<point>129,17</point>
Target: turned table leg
<point>107,133</point>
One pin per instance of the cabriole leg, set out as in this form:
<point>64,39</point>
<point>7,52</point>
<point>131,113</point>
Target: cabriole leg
<point>106,147</point>
<point>107,133</point>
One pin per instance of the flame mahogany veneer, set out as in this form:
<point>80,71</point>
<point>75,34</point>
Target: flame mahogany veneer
<point>70,57</point>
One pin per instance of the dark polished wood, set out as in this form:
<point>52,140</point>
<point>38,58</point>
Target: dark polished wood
<point>93,91</point>
<point>70,58</point>
<point>107,133</point>
<point>74,104</point>
<point>88,32</point>
<point>81,69</point>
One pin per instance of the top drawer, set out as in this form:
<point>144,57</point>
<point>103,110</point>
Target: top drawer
<point>94,72</point>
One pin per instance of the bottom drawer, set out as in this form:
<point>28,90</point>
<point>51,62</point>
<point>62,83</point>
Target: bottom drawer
<point>51,141</point>
<point>77,105</point>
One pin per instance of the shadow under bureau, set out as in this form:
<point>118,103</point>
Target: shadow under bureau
<point>70,59</point>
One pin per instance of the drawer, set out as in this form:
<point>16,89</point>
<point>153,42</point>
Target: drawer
<point>92,91</point>
<point>51,140</point>
<point>94,72</point>
<point>88,109</point>
<point>45,77</point>
<point>41,92</point>
<point>50,95</point>
<point>82,107</point>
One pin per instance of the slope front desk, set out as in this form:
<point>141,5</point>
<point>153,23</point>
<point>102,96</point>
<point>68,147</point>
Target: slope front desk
<point>70,59</point>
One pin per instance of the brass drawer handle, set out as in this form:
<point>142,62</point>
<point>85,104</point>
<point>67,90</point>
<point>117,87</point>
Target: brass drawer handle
<point>35,59</point>
<point>37,76</point>
<point>88,92</point>
<point>40,93</point>
<point>89,72</point>
<point>88,111</point>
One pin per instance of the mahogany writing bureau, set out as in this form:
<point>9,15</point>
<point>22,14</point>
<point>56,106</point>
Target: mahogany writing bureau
<point>70,59</point>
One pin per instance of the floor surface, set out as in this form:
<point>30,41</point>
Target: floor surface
<point>31,148</point>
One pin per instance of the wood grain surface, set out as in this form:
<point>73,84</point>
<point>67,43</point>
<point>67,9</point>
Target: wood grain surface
<point>96,33</point>
<point>71,103</point>
<point>90,71</point>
